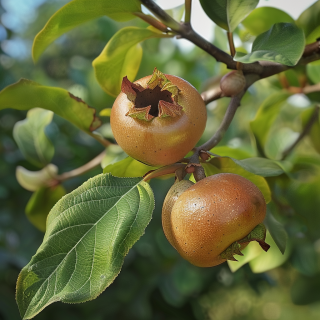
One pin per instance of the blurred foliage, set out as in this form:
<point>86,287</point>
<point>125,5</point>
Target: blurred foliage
<point>155,282</point>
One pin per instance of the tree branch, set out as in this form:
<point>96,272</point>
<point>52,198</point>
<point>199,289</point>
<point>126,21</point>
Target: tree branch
<point>211,95</point>
<point>161,14</point>
<point>314,117</point>
<point>216,138</point>
<point>81,170</point>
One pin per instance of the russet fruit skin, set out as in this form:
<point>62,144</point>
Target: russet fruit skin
<point>161,141</point>
<point>212,214</point>
<point>172,196</point>
<point>232,83</point>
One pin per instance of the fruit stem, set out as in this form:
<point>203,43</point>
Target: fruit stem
<point>314,117</point>
<point>172,168</point>
<point>231,43</point>
<point>187,15</point>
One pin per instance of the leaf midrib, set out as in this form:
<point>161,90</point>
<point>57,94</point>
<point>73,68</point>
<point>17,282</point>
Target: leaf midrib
<point>79,242</point>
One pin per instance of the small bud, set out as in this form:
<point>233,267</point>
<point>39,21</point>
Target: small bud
<point>233,83</point>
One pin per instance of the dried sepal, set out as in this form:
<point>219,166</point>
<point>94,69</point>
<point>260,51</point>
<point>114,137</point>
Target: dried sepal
<point>157,79</point>
<point>229,253</point>
<point>140,113</point>
<point>167,109</point>
<point>257,234</point>
<point>128,87</point>
<point>173,89</point>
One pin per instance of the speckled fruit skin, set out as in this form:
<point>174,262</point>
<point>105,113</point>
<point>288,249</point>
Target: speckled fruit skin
<point>161,141</point>
<point>232,83</point>
<point>172,196</point>
<point>212,214</point>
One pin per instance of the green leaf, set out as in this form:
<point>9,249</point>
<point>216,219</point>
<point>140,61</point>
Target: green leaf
<point>105,112</point>
<point>34,180</point>
<point>41,203</point>
<point>261,166</point>
<point>314,133</point>
<point>78,12</point>
<point>305,290</point>
<point>265,118</point>
<point>227,14</point>
<point>225,164</point>
<point>231,152</point>
<point>31,139</point>
<point>121,57</point>
<point>277,231</point>
<point>128,167</point>
<point>27,94</point>
<point>114,153</point>
<point>263,18</point>
<point>313,72</point>
<point>89,232</point>
<point>269,260</point>
<point>309,21</point>
<point>251,251</point>
<point>282,43</point>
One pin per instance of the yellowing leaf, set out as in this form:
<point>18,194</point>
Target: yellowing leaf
<point>121,57</point>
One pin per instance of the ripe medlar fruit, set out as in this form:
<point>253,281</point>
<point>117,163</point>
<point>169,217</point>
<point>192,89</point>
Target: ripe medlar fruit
<point>232,83</point>
<point>210,221</point>
<point>158,119</point>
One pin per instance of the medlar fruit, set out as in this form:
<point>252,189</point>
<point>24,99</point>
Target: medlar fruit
<point>212,220</point>
<point>158,119</point>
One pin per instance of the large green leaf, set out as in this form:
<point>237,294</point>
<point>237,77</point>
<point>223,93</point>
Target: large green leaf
<point>263,18</point>
<point>89,232</point>
<point>282,43</point>
<point>309,21</point>
<point>227,14</point>
<point>27,94</point>
<point>128,167</point>
<point>41,203</point>
<point>121,57</point>
<point>227,165</point>
<point>77,12</point>
<point>265,117</point>
<point>277,231</point>
<point>31,139</point>
<point>269,260</point>
<point>34,180</point>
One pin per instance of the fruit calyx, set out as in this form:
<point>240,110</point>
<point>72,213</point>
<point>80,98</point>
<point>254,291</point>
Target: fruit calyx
<point>159,99</point>
<point>257,234</point>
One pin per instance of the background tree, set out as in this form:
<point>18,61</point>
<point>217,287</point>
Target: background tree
<point>273,123</point>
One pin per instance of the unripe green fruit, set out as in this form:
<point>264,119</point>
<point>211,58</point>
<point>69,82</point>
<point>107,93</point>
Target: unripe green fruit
<point>232,83</point>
